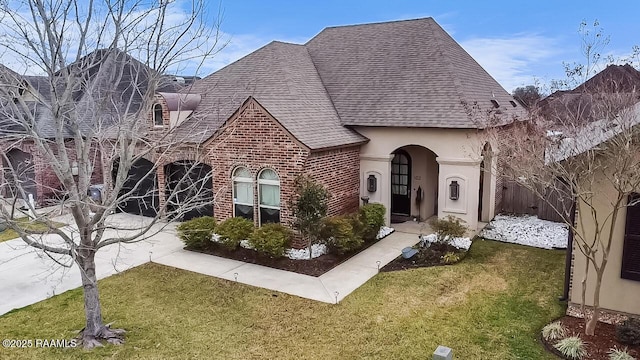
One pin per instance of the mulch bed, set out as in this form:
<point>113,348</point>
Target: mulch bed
<point>312,267</point>
<point>598,346</point>
<point>431,256</point>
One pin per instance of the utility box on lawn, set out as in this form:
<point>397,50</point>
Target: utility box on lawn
<point>443,353</point>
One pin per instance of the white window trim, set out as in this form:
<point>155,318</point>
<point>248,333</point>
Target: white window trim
<point>267,182</point>
<point>235,179</point>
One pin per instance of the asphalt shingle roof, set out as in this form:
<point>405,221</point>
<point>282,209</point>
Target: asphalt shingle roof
<point>407,73</point>
<point>282,78</point>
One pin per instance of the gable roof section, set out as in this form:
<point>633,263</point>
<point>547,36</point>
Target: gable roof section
<point>407,73</point>
<point>283,79</point>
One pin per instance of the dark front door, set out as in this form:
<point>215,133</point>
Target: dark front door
<point>401,183</point>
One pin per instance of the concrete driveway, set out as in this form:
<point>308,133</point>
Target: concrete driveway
<point>28,275</point>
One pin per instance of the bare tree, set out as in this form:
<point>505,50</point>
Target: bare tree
<point>89,114</point>
<point>575,149</point>
<point>528,95</point>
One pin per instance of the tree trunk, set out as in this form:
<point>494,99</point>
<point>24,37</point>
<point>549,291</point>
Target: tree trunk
<point>590,328</point>
<point>94,330</point>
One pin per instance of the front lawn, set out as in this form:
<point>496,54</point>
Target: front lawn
<point>491,305</point>
<point>27,224</point>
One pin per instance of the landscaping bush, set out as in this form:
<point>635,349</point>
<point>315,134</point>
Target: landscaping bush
<point>196,233</point>
<point>309,205</point>
<point>271,239</point>
<point>450,258</point>
<point>234,230</point>
<point>339,235</point>
<point>628,332</point>
<point>448,228</point>
<point>572,347</point>
<point>553,331</point>
<point>619,354</point>
<point>372,218</point>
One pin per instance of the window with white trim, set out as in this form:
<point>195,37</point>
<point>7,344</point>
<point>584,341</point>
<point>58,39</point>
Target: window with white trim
<point>242,193</point>
<point>269,197</point>
<point>157,115</point>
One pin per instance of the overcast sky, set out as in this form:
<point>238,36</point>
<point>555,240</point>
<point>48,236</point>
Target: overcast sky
<point>515,41</point>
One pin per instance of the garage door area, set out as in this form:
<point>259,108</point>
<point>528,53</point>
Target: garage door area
<point>19,174</point>
<point>143,184</point>
<point>189,190</point>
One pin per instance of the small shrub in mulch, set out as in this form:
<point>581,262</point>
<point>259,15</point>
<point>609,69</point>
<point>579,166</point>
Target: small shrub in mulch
<point>196,233</point>
<point>598,347</point>
<point>437,254</point>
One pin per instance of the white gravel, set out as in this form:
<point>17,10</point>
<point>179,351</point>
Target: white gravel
<point>303,254</point>
<point>463,243</point>
<point>527,230</point>
<point>384,232</point>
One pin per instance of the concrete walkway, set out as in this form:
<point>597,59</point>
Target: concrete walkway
<point>28,275</point>
<point>330,287</point>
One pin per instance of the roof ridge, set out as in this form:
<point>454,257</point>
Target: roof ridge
<point>447,59</point>
<point>380,22</point>
<point>324,87</point>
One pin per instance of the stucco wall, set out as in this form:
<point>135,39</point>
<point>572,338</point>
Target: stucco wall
<point>617,294</point>
<point>458,155</point>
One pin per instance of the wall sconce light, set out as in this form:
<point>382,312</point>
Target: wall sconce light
<point>372,183</point>
<point>74,168</point>
<point>454,190</point>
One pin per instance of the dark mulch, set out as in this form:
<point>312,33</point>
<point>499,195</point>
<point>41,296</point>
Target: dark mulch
<point>598,346</point>
<point>312,267</point>
<point>431,256</point>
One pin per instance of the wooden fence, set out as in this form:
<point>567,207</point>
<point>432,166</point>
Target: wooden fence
<point>517,199</point>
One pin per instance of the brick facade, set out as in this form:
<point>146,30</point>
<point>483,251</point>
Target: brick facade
<point>47,183</point>
<point>255,140</point>
<point>339,171</point>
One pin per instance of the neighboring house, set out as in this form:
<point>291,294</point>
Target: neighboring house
<point>621,280</point>
<point>34,172</point>
<point>375,112</point>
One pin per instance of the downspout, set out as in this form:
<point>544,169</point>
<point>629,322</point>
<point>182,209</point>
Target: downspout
<point>569,255</point>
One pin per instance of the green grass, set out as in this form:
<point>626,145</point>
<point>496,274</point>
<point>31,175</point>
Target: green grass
<point>26,224</point>
<point>492,305</point>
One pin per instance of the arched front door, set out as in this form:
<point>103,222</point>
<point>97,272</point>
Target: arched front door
<point>401,183</point>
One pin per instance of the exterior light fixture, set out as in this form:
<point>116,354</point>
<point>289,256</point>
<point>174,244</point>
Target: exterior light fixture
<point>454,190</point>
<point>372,183</point>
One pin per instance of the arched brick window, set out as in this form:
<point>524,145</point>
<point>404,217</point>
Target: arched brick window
<point>242,193</point>
<point>269,195</point>
<point>157,115</point>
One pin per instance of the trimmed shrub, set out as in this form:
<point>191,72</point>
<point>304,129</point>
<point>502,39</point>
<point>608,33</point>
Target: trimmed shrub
<point>553,331</point>
<point>271,239</point>
<point>372,218</point>
<point>628,332</point>
<point>448,228</point>
<point>234,230</point>
<point>196,233</point>
<point>339,235</point>
<point>572,347</point>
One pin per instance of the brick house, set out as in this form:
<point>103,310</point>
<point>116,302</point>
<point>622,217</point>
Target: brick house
<point>373,111</point>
